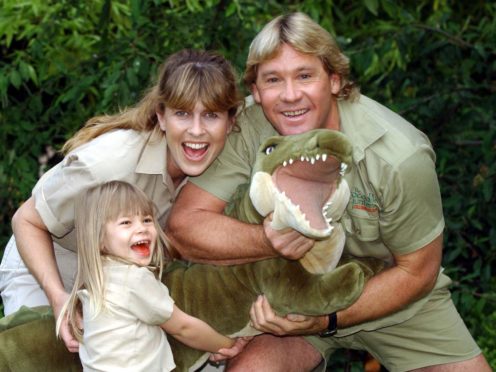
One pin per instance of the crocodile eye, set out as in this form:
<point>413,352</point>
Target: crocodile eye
<point>269,149</point>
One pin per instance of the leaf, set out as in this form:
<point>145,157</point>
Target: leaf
<point>372,6</point>
<point>15,78</point>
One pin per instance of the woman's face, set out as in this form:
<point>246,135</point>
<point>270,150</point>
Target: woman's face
<point>194,138</point>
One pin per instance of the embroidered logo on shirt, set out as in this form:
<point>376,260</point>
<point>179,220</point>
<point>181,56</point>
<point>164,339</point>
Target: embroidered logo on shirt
<point>362,201</point>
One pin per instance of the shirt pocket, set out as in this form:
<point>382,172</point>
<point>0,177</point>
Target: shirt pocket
<point>363,227</point>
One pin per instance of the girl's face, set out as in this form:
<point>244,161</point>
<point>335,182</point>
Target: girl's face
<point>194,138</point>
<point>131,237</point>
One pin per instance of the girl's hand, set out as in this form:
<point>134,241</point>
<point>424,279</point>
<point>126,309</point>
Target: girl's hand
<point>226,353</point>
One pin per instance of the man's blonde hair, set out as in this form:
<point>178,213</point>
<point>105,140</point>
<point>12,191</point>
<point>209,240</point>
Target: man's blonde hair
<point>306,36</point>
<point>93,210</point>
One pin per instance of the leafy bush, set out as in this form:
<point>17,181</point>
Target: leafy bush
<point>431,61</point>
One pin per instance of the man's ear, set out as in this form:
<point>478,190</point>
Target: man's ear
<point>255,93</point>
<point>335,83</point>
<point>230,126</point>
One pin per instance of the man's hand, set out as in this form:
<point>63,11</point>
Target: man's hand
<point>288,243</point>
<point>265,320</point>
<point>231,352</point>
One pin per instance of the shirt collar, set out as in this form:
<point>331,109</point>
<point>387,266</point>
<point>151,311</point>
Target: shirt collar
<point>153,159</point>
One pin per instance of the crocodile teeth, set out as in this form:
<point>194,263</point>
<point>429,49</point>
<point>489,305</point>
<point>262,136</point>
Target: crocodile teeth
<point>324,157</point>
<point>317,157</point>
<point>312,160</point>
<point>290,161</point>
<point>284,163</point>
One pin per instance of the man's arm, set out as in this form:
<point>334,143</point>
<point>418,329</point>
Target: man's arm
<point>35,246</point>
<point>200,232</point>
<point>413,276</point>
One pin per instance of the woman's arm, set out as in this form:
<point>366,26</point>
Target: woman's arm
<point>35,246</point>
<point>195,333</point>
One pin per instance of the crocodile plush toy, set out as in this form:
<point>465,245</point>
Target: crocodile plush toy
<point>297,179</point>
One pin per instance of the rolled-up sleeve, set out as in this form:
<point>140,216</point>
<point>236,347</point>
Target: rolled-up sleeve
<point>56,191</point>
<point>412,216</point>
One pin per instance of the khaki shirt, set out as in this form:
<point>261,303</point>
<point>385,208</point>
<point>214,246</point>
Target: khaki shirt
<point>139,158</point>
<point>126,335</point>
<point>395,204</point>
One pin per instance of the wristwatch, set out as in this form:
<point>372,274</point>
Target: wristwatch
<point>332,327</point>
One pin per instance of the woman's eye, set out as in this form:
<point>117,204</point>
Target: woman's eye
<point>269,149</point>
<point>148,220</point>
<point>272,80</point>
<point>124,222</point>
<point>211,115</point>
<point>181,113</point>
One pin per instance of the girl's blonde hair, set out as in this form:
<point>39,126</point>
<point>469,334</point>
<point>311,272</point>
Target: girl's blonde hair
<point>93,210</point>
<point>186,77</point>
<point>306,36</point>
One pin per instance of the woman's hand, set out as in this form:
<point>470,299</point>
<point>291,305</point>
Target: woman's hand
<point>64,332</point>
<point>264,319</point>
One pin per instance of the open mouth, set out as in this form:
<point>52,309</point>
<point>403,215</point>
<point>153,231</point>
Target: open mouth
<point>309,184</point>
<point>142,248</point>
<point>194,150</point>
<point>294,113</point>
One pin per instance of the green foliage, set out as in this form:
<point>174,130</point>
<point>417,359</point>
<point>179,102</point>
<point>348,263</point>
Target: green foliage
<point>433,61</point>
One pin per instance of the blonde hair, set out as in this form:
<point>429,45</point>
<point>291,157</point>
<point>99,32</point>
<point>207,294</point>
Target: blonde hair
<point>306,36</point>
<point>186,77</point>
<point>96,207</point>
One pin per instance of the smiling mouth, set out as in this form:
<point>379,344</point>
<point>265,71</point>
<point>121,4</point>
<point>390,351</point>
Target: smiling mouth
<point>294,113</point>
<point>142,248</point>
<point>195,150</point>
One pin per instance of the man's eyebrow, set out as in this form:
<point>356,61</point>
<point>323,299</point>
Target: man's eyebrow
<point>298,69</point>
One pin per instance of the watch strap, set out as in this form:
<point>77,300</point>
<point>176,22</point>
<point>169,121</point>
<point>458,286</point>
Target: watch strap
<point>332,327</point>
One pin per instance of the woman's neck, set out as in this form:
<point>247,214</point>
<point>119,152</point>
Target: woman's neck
<point>175,173</point>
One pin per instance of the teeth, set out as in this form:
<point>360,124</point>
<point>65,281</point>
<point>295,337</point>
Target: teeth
<point>312,160</point>
<point>195,146</point>
<point>290,161</point>
<point>294,113</point>
<point>324,157</point>
<point>317,157</point>
<point>284,163</point>
<point>302,158</point>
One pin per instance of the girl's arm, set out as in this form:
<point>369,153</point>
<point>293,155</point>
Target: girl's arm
<point>195,333</point>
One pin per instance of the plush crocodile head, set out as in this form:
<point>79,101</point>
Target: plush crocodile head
<point>298,178</point>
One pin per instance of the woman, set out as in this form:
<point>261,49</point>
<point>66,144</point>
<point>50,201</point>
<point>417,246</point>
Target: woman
<point>177,129</point>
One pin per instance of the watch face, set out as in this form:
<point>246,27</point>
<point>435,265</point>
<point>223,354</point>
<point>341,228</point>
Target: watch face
<point>328,333</point>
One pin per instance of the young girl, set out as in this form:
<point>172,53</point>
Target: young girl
<point>175,131</point>
<point>124,304</point>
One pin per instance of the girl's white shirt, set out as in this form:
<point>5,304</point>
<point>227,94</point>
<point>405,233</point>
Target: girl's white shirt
<point>126,336</point>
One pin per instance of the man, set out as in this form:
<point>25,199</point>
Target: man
<point>405,318</point>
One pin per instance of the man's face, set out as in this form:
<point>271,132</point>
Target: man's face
<point>296,93</point>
